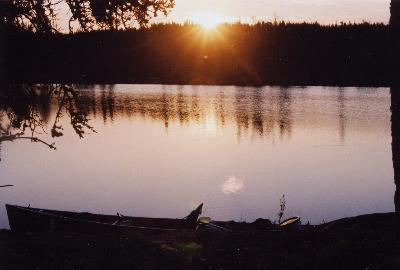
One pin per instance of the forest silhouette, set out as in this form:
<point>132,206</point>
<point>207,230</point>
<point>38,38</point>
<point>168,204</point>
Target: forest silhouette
<point>235,54</point>
<point>113,42</point>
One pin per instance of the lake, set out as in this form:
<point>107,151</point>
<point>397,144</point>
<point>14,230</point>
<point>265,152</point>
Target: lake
<point>159,151</point>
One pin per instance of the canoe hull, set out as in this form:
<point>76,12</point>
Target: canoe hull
<point>24,219</point>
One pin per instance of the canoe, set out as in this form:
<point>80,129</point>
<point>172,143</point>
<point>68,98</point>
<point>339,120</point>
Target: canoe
<point>28,219</point>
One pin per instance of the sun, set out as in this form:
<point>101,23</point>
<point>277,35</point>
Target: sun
<point>208,21</point>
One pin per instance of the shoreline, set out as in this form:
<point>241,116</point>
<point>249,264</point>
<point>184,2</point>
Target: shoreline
<point>368,241</point>
<point>383,84</point>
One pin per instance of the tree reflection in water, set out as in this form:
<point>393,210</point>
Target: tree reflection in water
<point>26,109</point>
<point>342,115</point>
<point>25,112</point>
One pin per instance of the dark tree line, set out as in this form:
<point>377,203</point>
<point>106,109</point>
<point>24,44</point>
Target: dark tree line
<point>265,53</point>
<point>40,17</point>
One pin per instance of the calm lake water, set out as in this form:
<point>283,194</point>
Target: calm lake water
<point>159,151</point>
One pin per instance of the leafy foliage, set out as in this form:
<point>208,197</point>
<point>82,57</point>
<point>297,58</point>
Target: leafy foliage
<point>40,15</point>
<point>33,15</point>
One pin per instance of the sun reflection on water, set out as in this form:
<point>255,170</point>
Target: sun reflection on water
<point>210,124</point>
<point>233,185</point>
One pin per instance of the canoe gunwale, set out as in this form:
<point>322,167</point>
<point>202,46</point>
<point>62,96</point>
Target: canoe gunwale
<point>46,213</point>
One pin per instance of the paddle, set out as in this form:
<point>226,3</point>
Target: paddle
<point>6,186</point>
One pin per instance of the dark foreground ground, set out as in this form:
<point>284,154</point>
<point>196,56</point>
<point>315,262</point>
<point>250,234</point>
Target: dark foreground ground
<point>367,242</point>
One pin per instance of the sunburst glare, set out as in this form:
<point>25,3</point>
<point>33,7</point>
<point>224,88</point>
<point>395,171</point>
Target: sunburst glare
<point>208,21</point>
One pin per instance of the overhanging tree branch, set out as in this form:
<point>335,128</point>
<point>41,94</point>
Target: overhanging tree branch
<point>20,112</point>
<point>12,138</point>
<point>40,15</point>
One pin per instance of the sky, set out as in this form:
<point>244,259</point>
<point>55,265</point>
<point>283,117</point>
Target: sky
<point>249,11</point>
<point>323,11</point>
